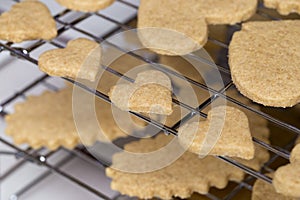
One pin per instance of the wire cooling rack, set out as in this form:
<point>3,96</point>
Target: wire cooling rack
<point>276,117</point>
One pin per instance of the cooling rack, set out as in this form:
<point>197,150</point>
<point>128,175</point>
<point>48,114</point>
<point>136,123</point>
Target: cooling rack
<point>279,152</point>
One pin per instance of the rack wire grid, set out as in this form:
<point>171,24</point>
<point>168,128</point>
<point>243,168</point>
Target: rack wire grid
<point>71,24</point>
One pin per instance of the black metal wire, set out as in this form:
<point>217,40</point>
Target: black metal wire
<point>66,26</point>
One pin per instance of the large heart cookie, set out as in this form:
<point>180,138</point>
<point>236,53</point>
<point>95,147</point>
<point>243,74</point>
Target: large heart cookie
<point>150,93</point>
<point>80,59</point>
<point>181,178</point>
<point>287,178</point>
<point>86,5</point>
<point>27,20</point>
<point>264,61</point>
<point>229,133</point>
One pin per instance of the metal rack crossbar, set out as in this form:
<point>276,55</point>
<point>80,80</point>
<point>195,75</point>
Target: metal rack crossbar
<point>25,54</point>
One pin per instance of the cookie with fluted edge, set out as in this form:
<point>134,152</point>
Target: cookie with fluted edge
<point>230,128</point>
<point>86,5</point>
<point>184,176</point>
<point>151,93</point>
<point>27,20</point>
<point>266,191</point>
<point>286,178</point>
<point>47,120</point>
<point>80,59</point>
<point>264,61</point>
<point>284,7</point>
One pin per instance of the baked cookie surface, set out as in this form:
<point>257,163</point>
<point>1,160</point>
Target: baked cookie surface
<point>264,59</point>
<point>284,7</point>
<point>86,5</point>
<point>27,20</point>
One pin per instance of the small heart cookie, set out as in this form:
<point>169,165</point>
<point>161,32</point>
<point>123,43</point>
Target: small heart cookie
<point>287,178</point>
<point>231,127</point>
<point>80,59</point>
<point>86,5</point>
<point>27,20</point>
<point>150,93</point>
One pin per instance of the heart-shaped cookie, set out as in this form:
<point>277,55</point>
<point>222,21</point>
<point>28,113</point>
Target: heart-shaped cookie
<point>150,93</point>
<point>86,5</point>
<point>229,135</point>
<point>27,20</point>
<point>80,59</point>
<point>287,178</point>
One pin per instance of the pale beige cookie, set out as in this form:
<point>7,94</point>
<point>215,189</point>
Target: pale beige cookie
<point>284,7</point>
<point>178,27</point>
<point>186,175</point>
<point>264,61</point>
<point>258,129</point>
<point>230,128</point>
<point>265,191</point>
<point>86,5</point>
<point>295,154</point>
<point>47,120</point>
<point>286,178</point>
<point>80,59</point>
<point>226,11</point>
<point>170,27</point>
<point>150,93</point>
<point>27,20</point>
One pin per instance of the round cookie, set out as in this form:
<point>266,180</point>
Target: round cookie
<point>264,61</point>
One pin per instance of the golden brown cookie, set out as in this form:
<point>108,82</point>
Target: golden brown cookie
<point>226,11</point>
<point>150,93</point>
<point>265,191</point>
<point>286,178</point>
<point>47,120</point>
<point>295,154</point>
<point>230,129</point>
<point>80,59</point>
<point>284,7</point>
<point>186,175</point>
<point>170,27</point>
<point>264,61</point>
<point>178,27</point>
<point>86,5</point>
<point>27,20</point>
